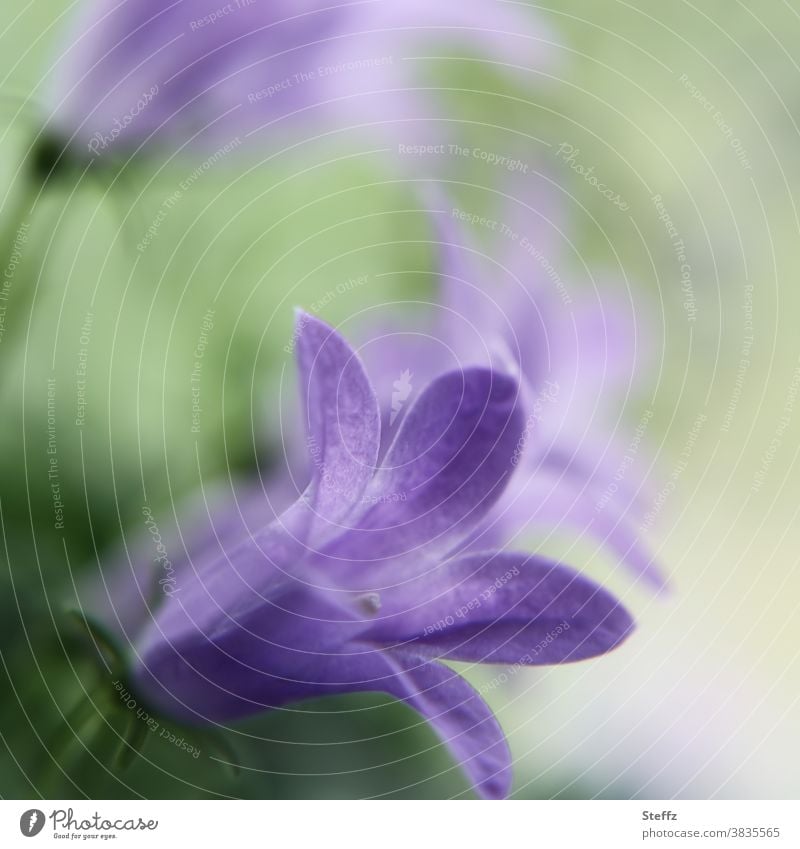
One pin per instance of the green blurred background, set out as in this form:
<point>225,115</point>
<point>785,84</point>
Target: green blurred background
<point>703,701</point>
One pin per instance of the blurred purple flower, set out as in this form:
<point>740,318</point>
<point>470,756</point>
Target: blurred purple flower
<point>574,351</point>
<point>201,71</point>
<point>362,584</point>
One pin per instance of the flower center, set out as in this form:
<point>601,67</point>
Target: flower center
<point>370,603</point>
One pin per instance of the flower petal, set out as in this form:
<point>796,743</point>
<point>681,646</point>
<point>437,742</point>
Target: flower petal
<point>502,607</point>
<point>205,73</point>
<point>513,320</point>
<point>447,466</point>
<point>342,418</point>
<point>217,594</point>
<point>562,492</point>
<point>459,716</point>
<point>208,685</point>
<point>158,561</point>
<point>402,351</point>
<point>287,648</point>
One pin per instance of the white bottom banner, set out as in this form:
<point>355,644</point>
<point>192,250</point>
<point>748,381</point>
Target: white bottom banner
<point>404,824</point>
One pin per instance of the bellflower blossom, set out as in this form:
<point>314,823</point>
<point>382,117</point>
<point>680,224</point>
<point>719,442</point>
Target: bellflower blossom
<point>362,584</point>
<point>205,72</point>
<point>574,351</point>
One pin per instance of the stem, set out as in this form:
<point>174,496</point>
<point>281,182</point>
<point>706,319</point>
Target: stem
<point>15,232</point>
<point>46,163</point>
<point>69,735</point>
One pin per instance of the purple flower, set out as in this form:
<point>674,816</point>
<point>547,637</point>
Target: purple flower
<point>362,584</point>
<point>201,71</point>
<point>575,352</point>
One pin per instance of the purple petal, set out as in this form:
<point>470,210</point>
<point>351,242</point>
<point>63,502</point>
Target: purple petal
<point>519,308</point>
<point>342,418</point>
<point>448,465</point>
<point>224,73</point>
<point>250,631</point>
<point>578,355</point>
<point>159,560</point>
<point>289,647</point>
<point>217,684</point>
<point>561,492</point>
<point>222,591</point>
<point>583,339</point>
<point>595,357</point>
<point>402,353</point>
<point>207,73</point>
<point>502,607</point>
<point>465,314</point>
<point>459,716</point>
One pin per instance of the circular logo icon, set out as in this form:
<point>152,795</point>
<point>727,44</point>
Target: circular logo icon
<point>31,822</point>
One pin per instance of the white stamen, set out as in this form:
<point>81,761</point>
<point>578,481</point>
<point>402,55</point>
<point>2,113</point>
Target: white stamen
<point>370,602</point>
